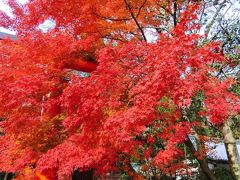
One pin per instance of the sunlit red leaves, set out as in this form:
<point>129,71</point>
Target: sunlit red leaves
<point>219,102</point>
<point>110,19</point>
<point>120,98</point>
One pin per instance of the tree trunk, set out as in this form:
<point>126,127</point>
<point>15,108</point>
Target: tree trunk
<point>231,148</point>
<point>203,163</point>
<point>82,175</point>
<point>5,176</point>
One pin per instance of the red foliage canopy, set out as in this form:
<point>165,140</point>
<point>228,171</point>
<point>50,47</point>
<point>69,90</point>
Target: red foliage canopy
<point>56,121</point>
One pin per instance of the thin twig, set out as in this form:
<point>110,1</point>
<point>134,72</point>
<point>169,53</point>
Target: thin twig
<point>203,10</point>
<point>165,9</point>
<point>42,109</point>
<point>139,10</point>
<point>110,18</point>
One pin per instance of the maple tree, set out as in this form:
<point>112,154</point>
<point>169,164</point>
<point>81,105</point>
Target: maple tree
<point>132,108</point>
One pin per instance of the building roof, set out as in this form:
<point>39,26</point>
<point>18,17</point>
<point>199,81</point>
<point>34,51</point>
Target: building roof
<point>4,35</point>
<point>218,150</point>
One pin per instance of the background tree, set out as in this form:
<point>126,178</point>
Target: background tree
<point>223,26</point>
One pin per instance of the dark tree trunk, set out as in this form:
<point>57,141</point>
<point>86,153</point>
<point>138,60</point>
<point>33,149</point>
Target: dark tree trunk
<point>83,175</point>
<point>175,13</point>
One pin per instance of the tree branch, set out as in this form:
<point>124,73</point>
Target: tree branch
<point>135,20</point>
<point>202,161</point>
<point>203,10</point>
<point>111,18</point>
<point>175,13</point>
<point>141,8</point>
<point>165,9</point>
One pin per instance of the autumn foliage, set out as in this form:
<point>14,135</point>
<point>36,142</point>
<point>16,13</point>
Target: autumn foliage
<point>55,121</point>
